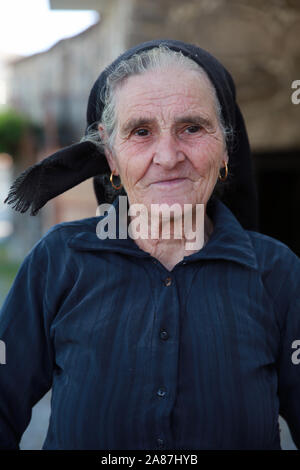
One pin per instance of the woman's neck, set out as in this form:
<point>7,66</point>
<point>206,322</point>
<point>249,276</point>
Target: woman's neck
<point>171,251</point>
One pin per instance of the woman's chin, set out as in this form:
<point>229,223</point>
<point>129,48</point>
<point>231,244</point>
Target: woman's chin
<point>170,200</point>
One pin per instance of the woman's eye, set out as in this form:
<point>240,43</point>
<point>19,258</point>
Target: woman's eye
<point>192,129</point>
<point>141,132</point>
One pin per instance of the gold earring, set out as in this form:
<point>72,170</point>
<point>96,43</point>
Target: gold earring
<point>112,183</point>
<point>223,178</point>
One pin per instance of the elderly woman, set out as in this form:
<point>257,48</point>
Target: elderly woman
<point>148,344</point>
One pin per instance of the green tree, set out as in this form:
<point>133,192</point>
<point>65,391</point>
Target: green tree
<point>13,126</point>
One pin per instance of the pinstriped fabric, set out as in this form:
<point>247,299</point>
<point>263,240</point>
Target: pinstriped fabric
<point>200,362</point>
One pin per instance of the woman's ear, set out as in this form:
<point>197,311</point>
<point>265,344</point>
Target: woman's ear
<point>107,150</point>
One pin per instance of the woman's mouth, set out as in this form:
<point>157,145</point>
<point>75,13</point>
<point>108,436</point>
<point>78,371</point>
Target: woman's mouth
<point>170,182</point>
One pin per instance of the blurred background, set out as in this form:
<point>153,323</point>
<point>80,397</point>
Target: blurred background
<point>52,51</point>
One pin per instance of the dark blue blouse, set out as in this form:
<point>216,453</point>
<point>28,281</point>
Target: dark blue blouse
<point>139,357</point>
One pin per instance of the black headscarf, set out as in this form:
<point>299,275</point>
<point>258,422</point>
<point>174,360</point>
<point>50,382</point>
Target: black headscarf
<point>78,162</point>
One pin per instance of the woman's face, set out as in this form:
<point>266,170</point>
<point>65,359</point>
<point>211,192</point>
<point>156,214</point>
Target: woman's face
<point>169,147</point>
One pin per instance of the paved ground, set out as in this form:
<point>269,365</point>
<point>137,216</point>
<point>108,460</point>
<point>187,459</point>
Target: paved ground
<point>35,434</point>
<point>286,440</point>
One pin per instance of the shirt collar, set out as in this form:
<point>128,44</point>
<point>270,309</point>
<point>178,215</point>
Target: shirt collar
<point>228,240</point>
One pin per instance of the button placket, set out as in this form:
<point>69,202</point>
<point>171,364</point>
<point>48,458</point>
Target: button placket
<point>164,381</point>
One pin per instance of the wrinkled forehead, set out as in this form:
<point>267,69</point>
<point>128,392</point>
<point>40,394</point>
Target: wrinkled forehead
<point>168,94</point>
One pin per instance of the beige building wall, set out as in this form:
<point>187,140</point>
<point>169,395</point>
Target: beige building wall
<point>257,41</point>
<point>52,87</point>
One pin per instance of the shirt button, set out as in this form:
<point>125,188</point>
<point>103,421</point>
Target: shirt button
<point>161,392</point>
<point>164,334</point>
<point>168,281</point>
<point>160,443</point>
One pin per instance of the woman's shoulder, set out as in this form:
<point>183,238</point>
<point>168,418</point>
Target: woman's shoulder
<point>70,228</point>
<point>56,238</point>
<point>279,265</point>
<point>261,239</point>
<point>270,250</point>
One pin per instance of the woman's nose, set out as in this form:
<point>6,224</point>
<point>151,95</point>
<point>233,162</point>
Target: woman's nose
<point>167,152</point>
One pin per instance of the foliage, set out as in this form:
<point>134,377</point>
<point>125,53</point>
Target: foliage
<point>13,127</point>
<point>8,271</point>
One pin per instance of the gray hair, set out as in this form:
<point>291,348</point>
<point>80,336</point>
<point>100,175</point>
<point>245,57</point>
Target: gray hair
<point>157,58</point>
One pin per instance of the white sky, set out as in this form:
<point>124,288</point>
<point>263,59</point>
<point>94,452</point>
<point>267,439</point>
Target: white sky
<point>29,26</point>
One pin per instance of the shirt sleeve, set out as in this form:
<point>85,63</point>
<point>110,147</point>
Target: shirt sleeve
<point>27,365</point>
<point>287,301</point>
